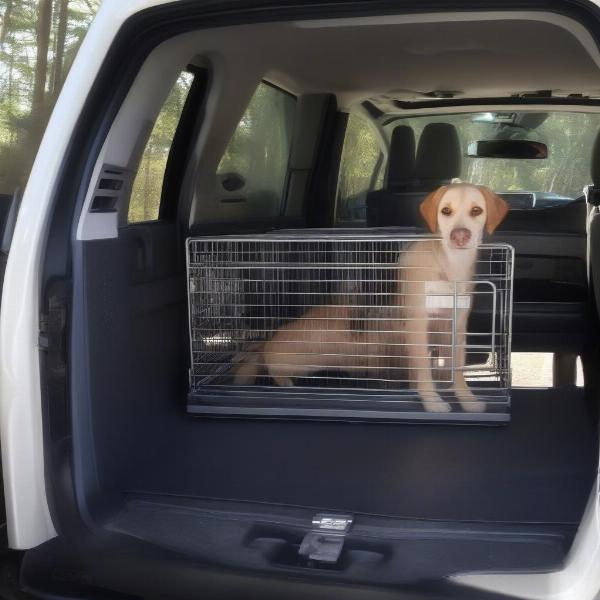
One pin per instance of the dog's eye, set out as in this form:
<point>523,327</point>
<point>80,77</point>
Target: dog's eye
<point>476,211</point>
<point>447,211</point>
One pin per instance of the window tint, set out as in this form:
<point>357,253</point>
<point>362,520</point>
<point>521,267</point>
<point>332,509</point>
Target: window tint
<point>360,170</point>
<point>254,166</point>
<point>144,204</point>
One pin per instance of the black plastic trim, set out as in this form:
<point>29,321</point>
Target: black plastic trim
<point>320,208</point>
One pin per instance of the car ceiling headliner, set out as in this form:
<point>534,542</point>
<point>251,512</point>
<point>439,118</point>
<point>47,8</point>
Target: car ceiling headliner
<point>384,62</point>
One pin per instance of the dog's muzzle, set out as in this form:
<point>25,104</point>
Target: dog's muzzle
<point>460,236</point>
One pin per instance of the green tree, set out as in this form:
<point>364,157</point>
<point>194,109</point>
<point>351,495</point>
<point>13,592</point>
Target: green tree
<point>38,42</point>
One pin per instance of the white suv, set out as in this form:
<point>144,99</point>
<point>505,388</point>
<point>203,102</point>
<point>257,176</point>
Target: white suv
<point>186,118</point>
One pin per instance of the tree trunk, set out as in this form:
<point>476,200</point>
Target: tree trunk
<point>9,94</point>
<point>41,67</point>
<point>59,57</point>
<point>6,21</point>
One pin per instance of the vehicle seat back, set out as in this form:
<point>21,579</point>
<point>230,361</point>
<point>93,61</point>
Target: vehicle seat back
<point>437,162</point>
<point>401,160</point>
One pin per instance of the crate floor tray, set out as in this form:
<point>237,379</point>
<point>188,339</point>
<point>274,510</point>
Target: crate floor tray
<point>304,403</point>
<point>340,324</point>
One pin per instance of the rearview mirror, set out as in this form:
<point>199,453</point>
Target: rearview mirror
<point>517,149</point>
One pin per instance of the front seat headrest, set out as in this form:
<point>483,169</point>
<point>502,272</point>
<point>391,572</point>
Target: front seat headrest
<point>401,161</point>
<point>438,155</point>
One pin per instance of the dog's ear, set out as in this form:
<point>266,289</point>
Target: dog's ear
<point>429,208</point>
<point>496,208</point>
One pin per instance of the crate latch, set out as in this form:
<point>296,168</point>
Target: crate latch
<point>325,541</point>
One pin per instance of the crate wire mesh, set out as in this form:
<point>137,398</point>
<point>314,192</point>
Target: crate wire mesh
<point>318,324</point>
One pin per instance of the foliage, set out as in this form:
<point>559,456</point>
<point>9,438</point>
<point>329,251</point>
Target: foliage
<point>147,186</point>
<point>38,42</point>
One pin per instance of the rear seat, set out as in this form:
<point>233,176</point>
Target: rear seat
<point>401,162</point>
<point>437,162</point>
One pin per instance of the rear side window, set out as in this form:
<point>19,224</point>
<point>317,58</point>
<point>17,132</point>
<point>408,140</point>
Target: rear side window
<point>361,170</point>
<point>253,168</point>
<point>144,204</point>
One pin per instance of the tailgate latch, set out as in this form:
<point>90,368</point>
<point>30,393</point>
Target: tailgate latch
<point>325,541</point>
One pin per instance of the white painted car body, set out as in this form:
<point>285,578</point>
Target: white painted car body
<point>28,517</point>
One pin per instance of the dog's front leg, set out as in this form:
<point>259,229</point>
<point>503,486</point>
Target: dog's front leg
<point>465,396</point>
<point>419,361</point>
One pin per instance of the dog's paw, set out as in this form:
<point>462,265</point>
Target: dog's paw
<point>471,405</point>
<point>435,404</point>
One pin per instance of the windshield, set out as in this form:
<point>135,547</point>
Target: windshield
<point>569,137</point>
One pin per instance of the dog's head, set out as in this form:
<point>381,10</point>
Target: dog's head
<point>460,212</point>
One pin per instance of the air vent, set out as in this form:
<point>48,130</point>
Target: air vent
<point>113,183</point>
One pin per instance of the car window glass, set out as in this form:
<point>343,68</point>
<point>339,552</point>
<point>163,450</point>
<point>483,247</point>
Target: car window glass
<point>557,179</point>
<point>144,204</point>
<point>361,170</point>
<point>254,165</point>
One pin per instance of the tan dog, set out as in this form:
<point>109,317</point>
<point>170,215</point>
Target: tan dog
<point>324,338</point>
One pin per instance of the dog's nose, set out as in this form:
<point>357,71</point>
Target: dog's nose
<point>460,236</point>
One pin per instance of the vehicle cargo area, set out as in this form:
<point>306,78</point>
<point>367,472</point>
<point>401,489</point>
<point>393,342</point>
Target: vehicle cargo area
<point>271,210</point>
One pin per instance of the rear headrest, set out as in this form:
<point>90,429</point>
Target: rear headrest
<point>438,154</point>
<point>595,166</point>
<point>401,161</point>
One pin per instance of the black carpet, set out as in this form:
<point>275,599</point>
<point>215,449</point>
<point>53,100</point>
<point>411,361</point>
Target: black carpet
<point>537,469</point>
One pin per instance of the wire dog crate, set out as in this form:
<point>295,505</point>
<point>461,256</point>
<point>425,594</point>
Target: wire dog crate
<point>335,324</point>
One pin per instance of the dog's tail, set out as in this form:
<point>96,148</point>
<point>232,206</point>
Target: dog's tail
<point>248,367</point>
